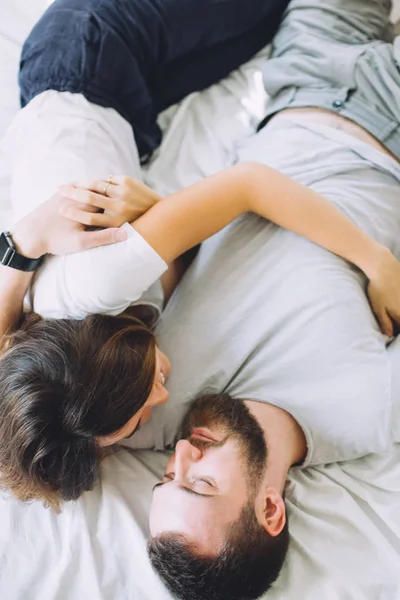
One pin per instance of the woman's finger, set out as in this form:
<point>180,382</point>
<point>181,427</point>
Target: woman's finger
<point>86,197</point>
<point>112,187</point>
<point>395,318</point>
<point>90,219</point>
<point>385,322</point>
<point>120,180</point>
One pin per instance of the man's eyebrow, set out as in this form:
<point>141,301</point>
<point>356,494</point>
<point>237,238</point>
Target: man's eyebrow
<point>186,489</point>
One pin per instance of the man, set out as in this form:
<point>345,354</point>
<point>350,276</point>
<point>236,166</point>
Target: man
<point>226,500</point>
<point>279,323</point>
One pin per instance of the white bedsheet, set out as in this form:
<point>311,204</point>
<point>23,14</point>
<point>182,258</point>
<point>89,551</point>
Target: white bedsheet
<point>345,518</point>
<point>16,20</point>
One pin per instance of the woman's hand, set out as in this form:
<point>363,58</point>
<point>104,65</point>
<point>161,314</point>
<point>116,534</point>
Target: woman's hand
<point>45,231</point>
<point>384,291</point>
<point>122,199</point>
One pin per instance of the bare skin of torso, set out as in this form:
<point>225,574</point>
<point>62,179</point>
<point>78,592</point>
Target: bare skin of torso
<point>331,119</point>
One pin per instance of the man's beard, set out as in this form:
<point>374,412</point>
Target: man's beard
<point>233,418</point>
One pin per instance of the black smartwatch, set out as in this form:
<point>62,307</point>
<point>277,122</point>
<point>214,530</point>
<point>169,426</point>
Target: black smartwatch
<point>9,256</point>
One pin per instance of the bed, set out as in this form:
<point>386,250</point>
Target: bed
<point>345,518</point>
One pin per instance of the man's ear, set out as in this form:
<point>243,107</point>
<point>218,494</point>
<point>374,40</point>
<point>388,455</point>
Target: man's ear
<point>272,512</point>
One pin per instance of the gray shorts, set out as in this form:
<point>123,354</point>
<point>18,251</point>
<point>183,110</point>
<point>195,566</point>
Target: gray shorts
<point>339,55</point>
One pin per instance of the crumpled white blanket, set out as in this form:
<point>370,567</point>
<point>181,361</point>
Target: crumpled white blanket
<point>344,518</point>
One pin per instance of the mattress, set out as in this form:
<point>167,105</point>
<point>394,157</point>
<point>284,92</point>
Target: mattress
<point>344,518</point>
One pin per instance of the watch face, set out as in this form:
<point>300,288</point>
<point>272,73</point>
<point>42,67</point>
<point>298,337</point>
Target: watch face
<point>7,250</point>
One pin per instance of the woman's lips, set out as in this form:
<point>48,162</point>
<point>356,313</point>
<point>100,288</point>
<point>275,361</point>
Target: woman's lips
<point>163,377</point>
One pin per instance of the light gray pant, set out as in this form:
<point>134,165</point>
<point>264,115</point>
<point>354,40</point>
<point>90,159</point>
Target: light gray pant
<point>339,55</point>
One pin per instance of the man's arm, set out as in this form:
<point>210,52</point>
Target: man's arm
<point>44,231</point>
<point>13,287</point>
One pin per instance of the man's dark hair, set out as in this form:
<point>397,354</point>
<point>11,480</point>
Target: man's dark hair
<point>247,566</point>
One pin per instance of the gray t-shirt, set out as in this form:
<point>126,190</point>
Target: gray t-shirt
<point>263,314</point>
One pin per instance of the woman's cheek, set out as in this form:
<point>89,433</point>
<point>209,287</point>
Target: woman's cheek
<point>146,414</point>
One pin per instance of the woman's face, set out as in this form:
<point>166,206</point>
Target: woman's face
<point>158,395</point>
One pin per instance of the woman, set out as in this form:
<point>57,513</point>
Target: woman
<point>71,388</point>
<point>93,77</point>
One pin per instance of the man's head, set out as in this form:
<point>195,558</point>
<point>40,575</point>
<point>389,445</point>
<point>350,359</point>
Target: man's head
<point>218,529</point>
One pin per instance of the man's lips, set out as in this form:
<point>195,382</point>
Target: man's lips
<point>202,433</point>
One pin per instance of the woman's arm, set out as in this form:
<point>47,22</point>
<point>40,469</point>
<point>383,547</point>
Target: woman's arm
<point>43,231</point>
<point>190,216</point>
<point>194,214</point>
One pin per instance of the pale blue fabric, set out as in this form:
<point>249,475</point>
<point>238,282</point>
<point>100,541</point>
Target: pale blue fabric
<point>338,55</point>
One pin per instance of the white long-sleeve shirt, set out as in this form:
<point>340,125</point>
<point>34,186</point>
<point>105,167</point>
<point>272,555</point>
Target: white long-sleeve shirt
<point>61,138</point>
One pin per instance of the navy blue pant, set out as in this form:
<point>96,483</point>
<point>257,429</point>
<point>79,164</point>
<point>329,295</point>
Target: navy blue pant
<point>140,56</point>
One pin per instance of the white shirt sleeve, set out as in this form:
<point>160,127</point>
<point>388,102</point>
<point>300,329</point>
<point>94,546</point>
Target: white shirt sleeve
<point>103,280</point>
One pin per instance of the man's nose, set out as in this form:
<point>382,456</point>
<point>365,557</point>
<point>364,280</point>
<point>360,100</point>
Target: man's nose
<point>185,455</point>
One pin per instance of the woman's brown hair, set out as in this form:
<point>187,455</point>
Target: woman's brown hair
<point>64,383</point>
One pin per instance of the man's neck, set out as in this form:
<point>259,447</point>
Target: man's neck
<point>285,439</point>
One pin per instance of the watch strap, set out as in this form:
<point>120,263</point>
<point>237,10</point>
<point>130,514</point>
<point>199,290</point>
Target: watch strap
<point>9,256</point>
